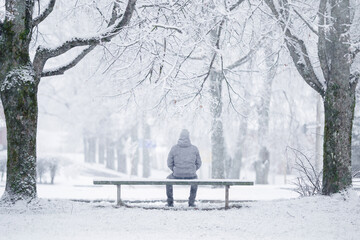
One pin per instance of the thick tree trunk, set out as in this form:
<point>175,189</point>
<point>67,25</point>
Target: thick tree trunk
<point>217,134</point>
<point>339,112</point>
<point>19,98</point>
<point>339,103</point>
<point>19,86</point>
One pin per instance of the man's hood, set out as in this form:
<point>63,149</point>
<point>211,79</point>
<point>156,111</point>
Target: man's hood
<point>184,139</point>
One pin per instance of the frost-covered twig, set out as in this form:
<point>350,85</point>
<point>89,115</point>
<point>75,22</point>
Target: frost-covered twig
<point>168,27</point>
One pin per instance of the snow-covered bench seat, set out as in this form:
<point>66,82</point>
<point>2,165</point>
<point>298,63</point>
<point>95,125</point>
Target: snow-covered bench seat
<point>214,182</point>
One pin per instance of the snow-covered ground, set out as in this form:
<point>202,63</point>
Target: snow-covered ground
<point>320,217</point>
<point>258,212</point>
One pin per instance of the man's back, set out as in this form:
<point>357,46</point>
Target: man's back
<point>184,158</point>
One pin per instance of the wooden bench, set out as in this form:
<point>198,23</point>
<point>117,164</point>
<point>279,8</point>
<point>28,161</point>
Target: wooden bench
<point>214,182</point>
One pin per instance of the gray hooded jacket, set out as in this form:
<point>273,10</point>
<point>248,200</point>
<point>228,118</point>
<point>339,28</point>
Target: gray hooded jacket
<point>184,158</point>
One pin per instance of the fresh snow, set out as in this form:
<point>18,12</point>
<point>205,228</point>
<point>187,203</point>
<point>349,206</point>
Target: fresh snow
<point>74,208</point>
<point>18,76</point>
<point>319,217</point>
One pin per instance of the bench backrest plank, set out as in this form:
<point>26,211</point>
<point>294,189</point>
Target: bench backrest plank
<point>228,182</point>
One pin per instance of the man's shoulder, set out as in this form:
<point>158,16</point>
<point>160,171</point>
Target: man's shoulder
<point>174,147</point>
<point>195,147</point>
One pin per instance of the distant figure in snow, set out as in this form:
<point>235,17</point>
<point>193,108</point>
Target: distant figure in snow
<point>183,160</point>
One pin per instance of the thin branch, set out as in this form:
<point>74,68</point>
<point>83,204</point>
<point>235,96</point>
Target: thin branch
<point>241,61</point>
<point>168,27</point>
<point>306,22</point>
<point>43,54</point>
<point>45,13</point>
<point>235,5</point>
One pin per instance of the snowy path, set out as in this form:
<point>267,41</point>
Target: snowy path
<point>307,218</point>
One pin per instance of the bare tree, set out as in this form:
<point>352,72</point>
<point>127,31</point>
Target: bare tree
<point>336,54</point>
<point>20,77</point>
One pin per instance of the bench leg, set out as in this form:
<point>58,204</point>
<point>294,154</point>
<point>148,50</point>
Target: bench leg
<point>227,187</point>
<point>118,200</point>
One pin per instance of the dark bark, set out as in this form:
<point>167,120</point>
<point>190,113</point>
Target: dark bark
<point>339,113</point>
<point>20,107</point>
<point>339,103</point>
<point>19,85</point>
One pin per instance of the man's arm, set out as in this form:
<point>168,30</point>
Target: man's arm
<point>170,160</point>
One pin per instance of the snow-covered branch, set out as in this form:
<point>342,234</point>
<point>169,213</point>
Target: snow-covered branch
<point>168,27</point>
<point>43,54</point>
<point>61,70</point>
<point>45,13</point>
<point>241,61</point>
<point>235,5</point>
<point>298,51</point>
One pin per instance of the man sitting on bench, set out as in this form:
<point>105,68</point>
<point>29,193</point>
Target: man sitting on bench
<point>183,160</point>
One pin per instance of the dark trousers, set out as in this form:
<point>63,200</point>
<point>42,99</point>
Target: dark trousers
<point>169,190</point>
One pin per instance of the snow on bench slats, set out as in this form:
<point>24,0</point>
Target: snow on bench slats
<point>172,182</point>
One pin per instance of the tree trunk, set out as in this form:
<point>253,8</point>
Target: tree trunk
<point>86,148</point>
<point>135,155</point>
<point>262,169</point>
<point>92,149</point>
<point>110,154</point>
<point>101,150</point>
<point>121,157</point>
<point>145,148</point>
<point>339,112</point>
<point>19,86</point>
<point>262,166</point>
<point>339,103</point>
<point>237,161</point>
<point>217,134</point>
<point>19,98</point>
